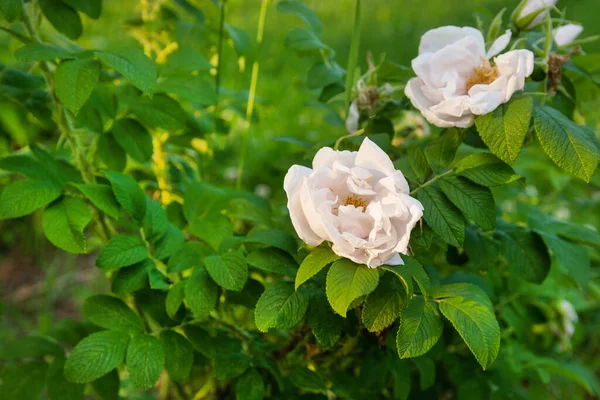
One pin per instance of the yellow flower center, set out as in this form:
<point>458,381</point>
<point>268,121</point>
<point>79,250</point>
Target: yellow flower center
<point>482,75</point>
<point>356,201</point>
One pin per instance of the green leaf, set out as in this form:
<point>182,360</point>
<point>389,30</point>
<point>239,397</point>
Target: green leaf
<point>304,41</point>
<point>201,293</point>
<point>526,254</point>
<point>420,328</point>
<point>426,368</point>
<point>229,270</point>
<point>318,259</point>
<point>33,52</point>
<point>129,195</point>
<point>112,313</point>
<point>133,138</point>
<point>102,197</point>
<point>504,129</point>
<point>11,9</point>
<point>571,146</point>
<point>574,259</point>
<point>240,39</point>
<point>325,324</point>
<point>24,197</point>
<point>418,162</point>
<point>442,151</point>
<point>383,306</point>
<point>347,281</point>
<point>156,221</point>
<point>280,306</point>
<point>250,386</point>
<point>230,366</point>
<point>307,380</point>
<point>213,229</point>
<point>30,167</point>
<point>409,271</point>
<point>62,17</point>
<point>57,387</point>
<point>442,216</point>
<point>322,74</point>
<point>545,224</point>
<point>122,250</point>
<point>175,298</point>
<point>29,347</point>
<point>75,81</point>
<point>299,9</point>
<point>272,260</point>
<point>93,8</point>
<point>476,325</point>
<point>485,169</point>
<point>179,355</point>
<point>191,88</point>
<point>188,257</point>
<point>161,111</point>
<point>132,278</point>
<point>170,243</point>
<point>110,153</point>
<point>134,65</point>
<point>467,291</point>
<point>145,360</point>
<point>96,355</point>
<point>25,381</point>
<point>474,201</point>
<point>274,238</point>
<point>63,223</point>
<point>107,386</point>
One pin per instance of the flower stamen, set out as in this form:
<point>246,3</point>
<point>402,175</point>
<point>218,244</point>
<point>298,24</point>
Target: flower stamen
<point>356,201</point>
<point>482,75</point>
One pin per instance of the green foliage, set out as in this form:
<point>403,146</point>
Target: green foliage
<point>129,141</point>
<point>504,129</point>
<point>280,306</point>
<point>347,281</point>
<point>571,146</point>
<point>96,355</point>
<point>145,360</point>
<point>63,223</point>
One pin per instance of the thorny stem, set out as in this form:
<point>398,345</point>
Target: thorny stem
<point>353,56</point>
<point>431,181</point>
<point>252,96</point>
<point>220,53</point>
<point>66,126</point>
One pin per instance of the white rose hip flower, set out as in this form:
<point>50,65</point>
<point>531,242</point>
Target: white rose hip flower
<point>457,79</point>
<point>567,34</point>
<point>356,200</point>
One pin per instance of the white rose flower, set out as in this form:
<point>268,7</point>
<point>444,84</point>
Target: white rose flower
<point>536,9</point>
<point>356,200</point>
<point>566,34</point>
<point>456,80</point>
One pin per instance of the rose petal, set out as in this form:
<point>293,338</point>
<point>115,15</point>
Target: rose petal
<point>566,34</point>
<point>437,39</point>
<point>499,44</point>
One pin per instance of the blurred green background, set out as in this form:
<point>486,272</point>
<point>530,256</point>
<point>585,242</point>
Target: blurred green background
<point>39,285</point>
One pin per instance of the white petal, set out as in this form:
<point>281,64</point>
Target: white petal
<point>437,39</point>
<point>516,63</point>
<point>326,157</point>
<point>353,118</point>
<point>292,184</point>
<point>414,91</point>
<point>499,44</point>
<point>566,34</point>
<point>371,157</point>
<point>395,260</point>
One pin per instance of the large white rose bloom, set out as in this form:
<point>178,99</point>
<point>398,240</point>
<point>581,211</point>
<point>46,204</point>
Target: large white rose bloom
<point>456,80</point>
<point>356,200</point>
